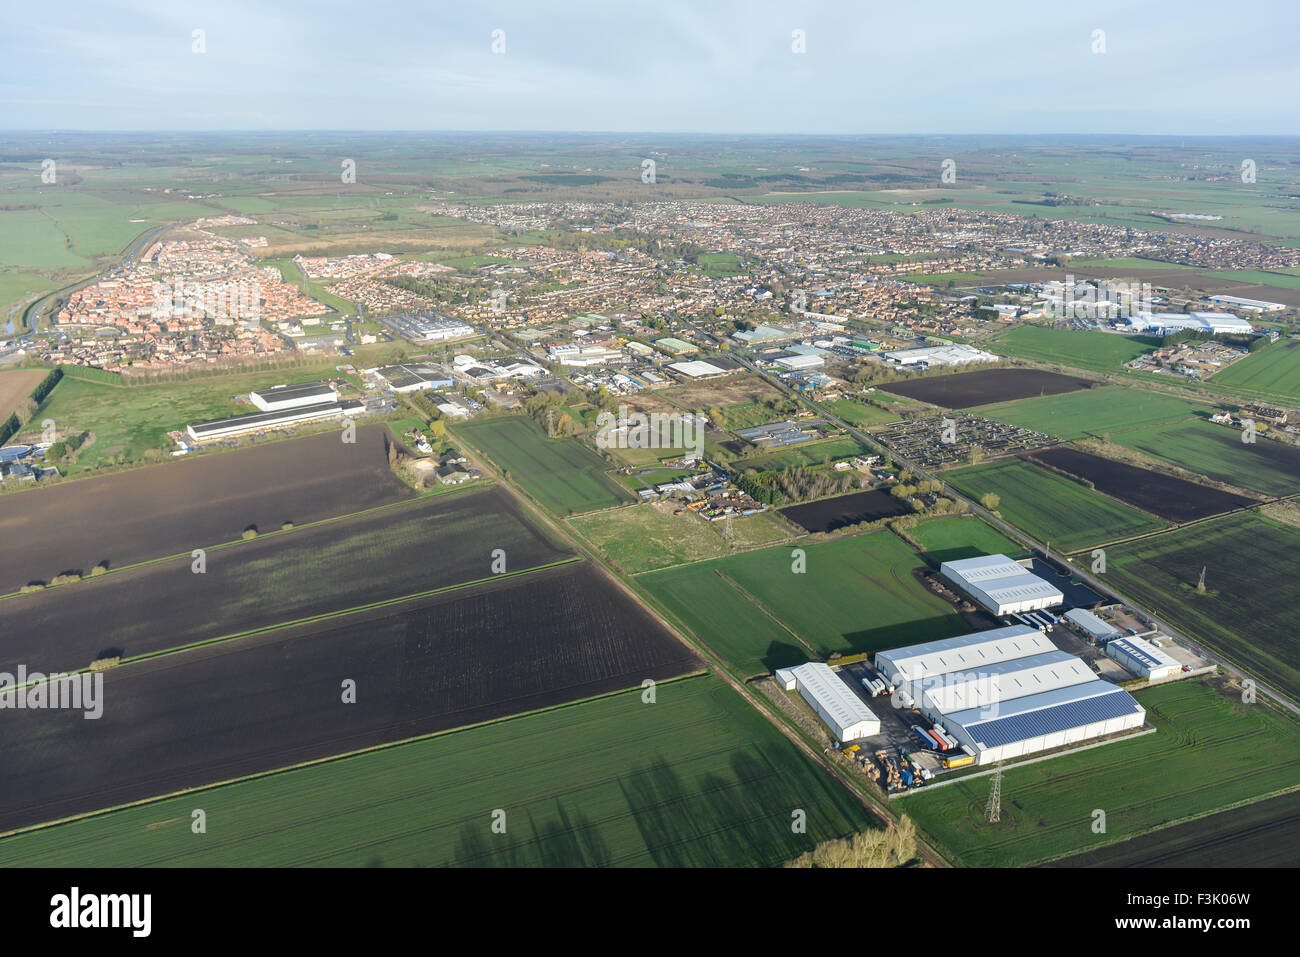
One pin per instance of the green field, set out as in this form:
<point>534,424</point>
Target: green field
<point>1274,370</point>
<point>697,779</point>
<point>1098,351</point>
<point>860,414</point>
<point>721,265</point>
<point>1217,451</point>
<point>1247,612</point>
<point>814,453</point>
<point>1051,507</point>
<point>646,537</point>
<point>1073,415</point>
<point>1210,752</point>
<point>954,538</point>
<point>856,594</point>
<point>563,474</point>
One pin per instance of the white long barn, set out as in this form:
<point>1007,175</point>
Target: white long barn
<point>1001,585</point>
<point>1009,692</point>
<point>844,712</point>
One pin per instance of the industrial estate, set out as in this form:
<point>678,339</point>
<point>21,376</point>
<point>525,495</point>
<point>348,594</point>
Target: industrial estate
<point>510,505</point>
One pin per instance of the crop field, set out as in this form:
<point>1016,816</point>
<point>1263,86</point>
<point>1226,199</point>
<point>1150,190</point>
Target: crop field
<point>1095,412</point>
<point>272,700</point>
<point>1167,496</point>
<point>963,390</point>
<point>832,514</point>
<point>199,501</point>
<point>1217,451</point>
<point>16,386</point>
<point>1263,834</point>
<point>860,414</point>
<point>1051,507</point>
<point>1251,567</point>
<point>697,779</point>
<point>562,474</point>
<point>856,594</point>
<point>1097,351</point>
<point>1210,752</point>
<point>382,555</point>
<point>1274,370</point>
<point>649,536</point>
<point>954,538</point>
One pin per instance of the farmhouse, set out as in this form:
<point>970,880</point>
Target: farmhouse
<point>835,703</point>
<point>1008,692</point>
<point>1002,586</point>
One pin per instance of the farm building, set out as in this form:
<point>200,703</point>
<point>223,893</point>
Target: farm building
<point>281,397</point>
<point>1092,626</point>
<point>844,712</point>
<point>269,421</point>
<point>1143,658</point>
<point>1002,586</point>
<point>1008,692</point>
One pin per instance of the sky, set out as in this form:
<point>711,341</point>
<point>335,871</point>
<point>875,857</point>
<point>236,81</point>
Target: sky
<point>704,66</point>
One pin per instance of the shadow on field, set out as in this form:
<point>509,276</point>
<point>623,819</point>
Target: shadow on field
<point>780,654</point>
<point>740,819</point>
<point>568,839</point>
<point>892,636</point>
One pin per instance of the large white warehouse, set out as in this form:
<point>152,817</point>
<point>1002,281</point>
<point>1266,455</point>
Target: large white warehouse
<point>1002,586</point>
<point>844,712</point>
<point>282,397</point>
<point>1009,692</point>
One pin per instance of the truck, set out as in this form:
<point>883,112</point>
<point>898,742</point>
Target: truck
<point>958,761</point>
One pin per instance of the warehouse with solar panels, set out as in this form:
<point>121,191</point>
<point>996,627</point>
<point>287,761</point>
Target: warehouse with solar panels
<point>1002,586</point>
<point>1008,692</point>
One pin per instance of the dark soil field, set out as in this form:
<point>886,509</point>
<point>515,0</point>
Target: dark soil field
<point>832,514</point>
<point>965,390</point>
<point>389,553</point>
<point>1266,834</point>
<point>1169,497</point>
<point>274,700</point>
<point>167,509</point>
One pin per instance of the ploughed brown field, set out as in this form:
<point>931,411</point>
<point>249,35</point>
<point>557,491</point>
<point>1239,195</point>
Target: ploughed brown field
<point>17,385</point>
<point>832,514</point>
<point>388,553</point>
<point>964,390</point>
<point>1166,496</point>
<point>193,503</point>
<point>265,702</point>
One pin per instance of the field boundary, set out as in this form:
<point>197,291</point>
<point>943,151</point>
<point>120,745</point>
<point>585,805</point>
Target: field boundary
<point>45,825</point>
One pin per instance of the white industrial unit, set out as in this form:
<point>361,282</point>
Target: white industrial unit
<point>1002,586</point>
<point>1091,625</point>
<point>844,712</point>
<point>1143,658</point>
<point>1008,692</point>
<point>282,397</point>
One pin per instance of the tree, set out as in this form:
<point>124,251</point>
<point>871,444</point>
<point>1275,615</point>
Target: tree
<point>990,500</point>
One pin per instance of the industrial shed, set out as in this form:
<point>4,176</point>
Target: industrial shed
<point>1143,658</point>
<point>270,421</point>
<point>1001,585</point>
<point>844,712</point>
<point>281,397</point>
<point>1008,692</point>
<point>1092,626</point>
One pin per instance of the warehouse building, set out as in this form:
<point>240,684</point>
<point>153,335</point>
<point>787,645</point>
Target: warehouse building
<point>1008,692</point>
<point>1002,586</point>
<point>934,357</point>
<point>269,421</point>
<point>1095,628</point>
<point>1143,658</point>
<point>1211,322</point>
<point>282,397</point>
<point>414,377</point>
<point>844,712</point>
<point>1250,305</point>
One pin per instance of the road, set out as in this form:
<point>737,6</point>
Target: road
<point>1010,531</point>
